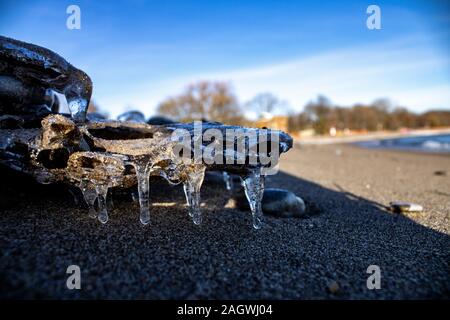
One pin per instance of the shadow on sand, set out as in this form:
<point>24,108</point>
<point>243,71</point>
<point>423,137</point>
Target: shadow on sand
<point>323,256</point>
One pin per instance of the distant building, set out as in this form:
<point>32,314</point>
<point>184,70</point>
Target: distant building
<point>272,122</point>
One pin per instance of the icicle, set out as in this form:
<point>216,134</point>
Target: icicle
<point>90,195</point>
<point>102,213</point>
<point>142,175</point>
<point>228,180</point>
<point>192,192</point>
<point>254,189</point>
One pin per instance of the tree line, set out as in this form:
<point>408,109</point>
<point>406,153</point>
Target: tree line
<point>321,115</point>
<point>216,101</point>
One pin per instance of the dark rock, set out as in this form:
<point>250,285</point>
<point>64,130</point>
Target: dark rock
<point>159,120</point>
<point>29,73</point>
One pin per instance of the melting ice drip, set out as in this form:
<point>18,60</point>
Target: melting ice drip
<point>95,195</point>
<point>191,175</point>
<point>192,192</point>
<point>253,185</point>
<point>143,168</point>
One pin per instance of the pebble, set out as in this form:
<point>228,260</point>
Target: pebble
<point>401,206</point>
<point>159,120</point>
<point>133,116</point>
<point>278,202</point>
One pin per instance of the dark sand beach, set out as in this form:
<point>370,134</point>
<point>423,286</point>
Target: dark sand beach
<point>323,256</point>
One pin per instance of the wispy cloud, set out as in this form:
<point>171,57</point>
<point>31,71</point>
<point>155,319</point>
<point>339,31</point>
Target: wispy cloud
<point>410,74</point>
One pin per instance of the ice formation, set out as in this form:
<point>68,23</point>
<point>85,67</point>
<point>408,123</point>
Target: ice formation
<point>99,154</point>
<point>253,184</point>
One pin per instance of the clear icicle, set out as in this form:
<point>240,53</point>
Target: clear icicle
<point>90,195</point>
<point>142,175</point>
<point>192,192</point>
<point>254,189</point>
<point>102,213</point>
<point>228,180</point>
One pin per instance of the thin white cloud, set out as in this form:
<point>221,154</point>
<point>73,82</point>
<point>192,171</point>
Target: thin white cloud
<point>410,74</point>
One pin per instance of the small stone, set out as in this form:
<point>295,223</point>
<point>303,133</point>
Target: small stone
<point>279,203</point>
<point>134,116</point>
<point>159,120</point>
<point>401,206</point>
<point>440,173</point>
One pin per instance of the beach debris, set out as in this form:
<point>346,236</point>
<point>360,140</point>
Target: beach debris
<point>401,206</point>
<point>278,203</point>
<point>135,116</point>
<point>99,154</point>
<point>440,173</point>
<point>30,75</point>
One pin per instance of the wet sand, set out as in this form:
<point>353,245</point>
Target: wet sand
<point>324,256</point>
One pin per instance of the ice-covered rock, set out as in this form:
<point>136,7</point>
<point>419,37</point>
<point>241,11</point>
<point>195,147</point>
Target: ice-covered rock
<point>100,154</point>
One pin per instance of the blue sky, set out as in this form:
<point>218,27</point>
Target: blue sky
<point>140,52</point>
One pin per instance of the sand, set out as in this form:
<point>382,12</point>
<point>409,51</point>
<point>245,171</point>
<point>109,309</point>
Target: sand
<point>324,256</point>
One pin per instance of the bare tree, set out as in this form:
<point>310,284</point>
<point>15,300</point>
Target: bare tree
<point>264,102</point>
<point>203,100</point>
